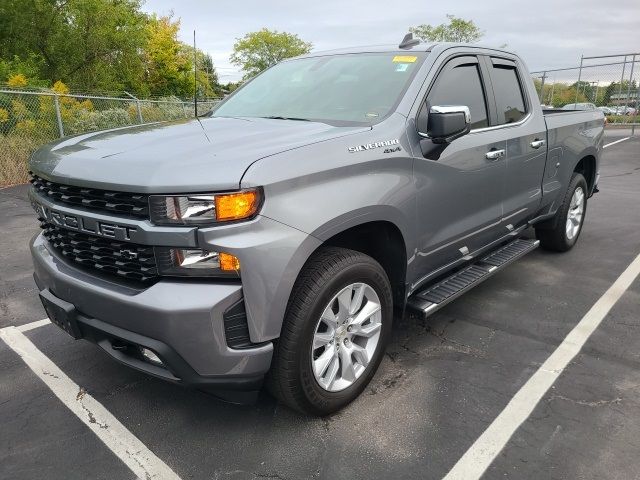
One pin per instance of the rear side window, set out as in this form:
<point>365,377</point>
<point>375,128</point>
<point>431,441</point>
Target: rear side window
<point>460,84</point>
<point>508,92</point>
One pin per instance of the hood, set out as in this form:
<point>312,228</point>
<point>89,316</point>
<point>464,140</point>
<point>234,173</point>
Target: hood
<point>195,155</point>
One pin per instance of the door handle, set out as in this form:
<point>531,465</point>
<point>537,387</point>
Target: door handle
<point>537,143</point>
<point>495,154</point>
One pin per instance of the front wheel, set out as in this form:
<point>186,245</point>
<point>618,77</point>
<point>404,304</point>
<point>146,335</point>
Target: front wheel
<point>569,218</point>
<point>335,330</point>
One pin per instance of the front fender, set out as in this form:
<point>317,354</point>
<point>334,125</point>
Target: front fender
<point>318,191</point>
<point>271,255</point>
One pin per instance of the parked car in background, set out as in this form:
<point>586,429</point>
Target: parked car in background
<point>579,106</point>
<point>607,110</point>
<point>622,110</point>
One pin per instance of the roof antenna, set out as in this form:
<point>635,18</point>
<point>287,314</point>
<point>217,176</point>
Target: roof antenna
<point>195,76</point>
<point>408,41</point>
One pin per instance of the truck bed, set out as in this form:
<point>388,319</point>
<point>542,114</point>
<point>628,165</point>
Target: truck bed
<point>577,120</point>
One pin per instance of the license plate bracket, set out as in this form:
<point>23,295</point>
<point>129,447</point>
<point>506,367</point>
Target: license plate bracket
<point>61,313</point>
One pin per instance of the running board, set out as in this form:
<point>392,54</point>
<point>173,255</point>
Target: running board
<point>436,296</point>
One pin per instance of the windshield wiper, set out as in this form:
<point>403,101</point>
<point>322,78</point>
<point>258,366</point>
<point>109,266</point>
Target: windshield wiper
<point>276,117</point>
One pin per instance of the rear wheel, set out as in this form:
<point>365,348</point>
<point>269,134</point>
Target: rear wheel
<point>567,225</point>
<point>334,333</point>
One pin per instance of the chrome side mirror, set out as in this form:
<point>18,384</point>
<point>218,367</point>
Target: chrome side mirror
<point>444,123</point>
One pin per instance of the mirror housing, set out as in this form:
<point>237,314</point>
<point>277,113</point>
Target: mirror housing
<point>443,124</point>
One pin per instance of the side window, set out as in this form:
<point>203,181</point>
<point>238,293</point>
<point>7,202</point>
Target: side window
<point>460,84</point>
<point>509,98</point>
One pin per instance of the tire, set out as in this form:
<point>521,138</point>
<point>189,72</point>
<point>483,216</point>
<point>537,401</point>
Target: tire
<point>557,236</point>
<point>294,377</point>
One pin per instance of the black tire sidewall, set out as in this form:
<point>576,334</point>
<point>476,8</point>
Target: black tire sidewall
<point>576,181</point>
<point>553,235</point>
<point>368,272</point>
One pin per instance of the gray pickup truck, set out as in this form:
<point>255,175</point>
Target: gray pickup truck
<point>271,240</point>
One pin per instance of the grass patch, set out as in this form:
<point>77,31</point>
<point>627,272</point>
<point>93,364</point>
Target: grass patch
<point>14,154</point>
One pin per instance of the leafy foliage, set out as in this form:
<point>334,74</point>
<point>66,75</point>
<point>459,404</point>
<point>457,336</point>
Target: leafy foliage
<point>88,43</point>
<point>29,68</point>
<point>559,94</point>
<point>457,30</point>
<point>168,67</point>
<point>257,51</point>
<point>98,45</point>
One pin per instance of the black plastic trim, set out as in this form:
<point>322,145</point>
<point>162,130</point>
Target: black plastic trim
<point>236,328</point>
<point>177,369</point>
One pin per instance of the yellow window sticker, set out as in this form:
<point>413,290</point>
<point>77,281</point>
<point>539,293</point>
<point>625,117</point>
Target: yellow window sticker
<point>405,58</point>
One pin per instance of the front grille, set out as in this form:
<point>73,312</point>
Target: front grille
<point>123,203</point>
<point>129,260</point>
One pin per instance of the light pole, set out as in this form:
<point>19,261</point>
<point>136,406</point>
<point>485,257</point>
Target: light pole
<point>595,97</point>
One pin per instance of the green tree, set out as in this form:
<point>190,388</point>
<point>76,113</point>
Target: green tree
<point>98,45</point>
<point>90,44</point>
<point>457,30</point>
<point>167,64</point>
<point>257,51</point>
<point>29,66</point>
<point>205,64</point>
<point>616,89</point>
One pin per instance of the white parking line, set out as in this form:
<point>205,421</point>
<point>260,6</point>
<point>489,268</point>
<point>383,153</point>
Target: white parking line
<point>487,447</point>
<point>30,326</point>
<point>617,141</point>
<point>113,434</point>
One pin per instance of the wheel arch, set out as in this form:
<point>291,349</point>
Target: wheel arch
<point>587,167</point>
<point>383,241</point>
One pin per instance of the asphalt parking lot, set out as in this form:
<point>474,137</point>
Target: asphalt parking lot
<point>441,384</point>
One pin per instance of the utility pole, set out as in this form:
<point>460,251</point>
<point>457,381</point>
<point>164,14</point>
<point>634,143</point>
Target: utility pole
<point>628,100</point>
<point>595,97</point>
<point>195,75</point>
<point>579,78</point>
<point>544,77</point>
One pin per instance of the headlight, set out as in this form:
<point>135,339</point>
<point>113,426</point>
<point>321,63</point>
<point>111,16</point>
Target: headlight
<point>190,262</point>
<point>204,209</point>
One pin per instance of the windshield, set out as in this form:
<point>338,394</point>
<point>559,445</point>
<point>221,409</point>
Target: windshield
<point>340,89</point>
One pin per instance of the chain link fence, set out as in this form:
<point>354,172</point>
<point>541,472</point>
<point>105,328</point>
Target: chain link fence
<point>610,82</point>
<point>29,119</point>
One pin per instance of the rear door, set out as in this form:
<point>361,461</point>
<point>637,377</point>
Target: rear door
<point>459,193</point>
<point>525,135</point>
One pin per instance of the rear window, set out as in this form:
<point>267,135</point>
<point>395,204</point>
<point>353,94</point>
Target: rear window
<point>508,92</point>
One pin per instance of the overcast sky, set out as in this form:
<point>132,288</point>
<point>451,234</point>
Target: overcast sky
<point>546,33</point>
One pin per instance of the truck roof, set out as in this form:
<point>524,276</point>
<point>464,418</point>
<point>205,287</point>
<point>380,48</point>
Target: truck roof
<point>421,47</point>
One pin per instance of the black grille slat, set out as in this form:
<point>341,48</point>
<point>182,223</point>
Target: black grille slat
<point>103,254</point>
<point>132,204</point>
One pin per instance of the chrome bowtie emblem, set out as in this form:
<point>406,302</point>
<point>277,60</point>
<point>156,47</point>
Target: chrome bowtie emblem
<point>129,254</point>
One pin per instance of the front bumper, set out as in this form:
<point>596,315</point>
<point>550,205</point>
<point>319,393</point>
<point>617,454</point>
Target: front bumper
<point>179,319</point>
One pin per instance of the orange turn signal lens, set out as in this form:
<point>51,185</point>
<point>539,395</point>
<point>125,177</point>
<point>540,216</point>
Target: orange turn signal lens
<point>235,206</point>
<point>228,262</point>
